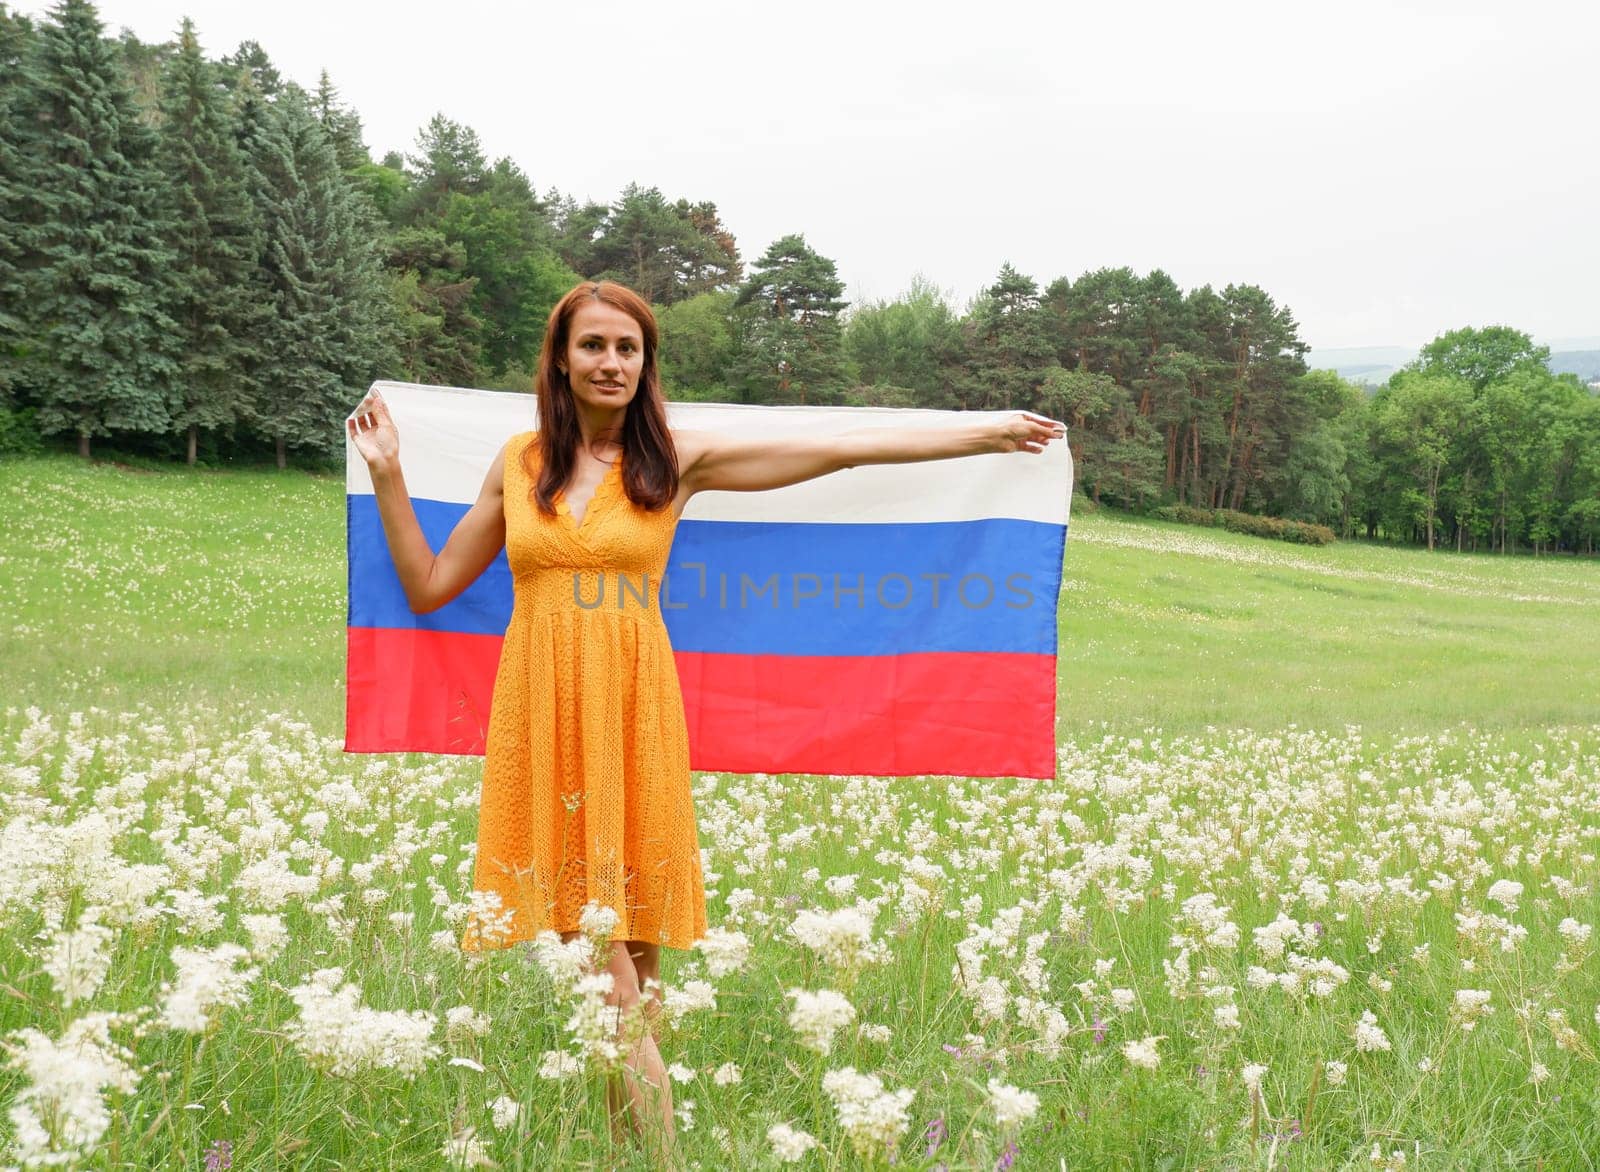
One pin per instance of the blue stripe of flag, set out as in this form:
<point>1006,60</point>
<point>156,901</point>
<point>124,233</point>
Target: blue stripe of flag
<point>780,588</point>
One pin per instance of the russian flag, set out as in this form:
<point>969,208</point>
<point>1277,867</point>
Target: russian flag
<point>887,619</point>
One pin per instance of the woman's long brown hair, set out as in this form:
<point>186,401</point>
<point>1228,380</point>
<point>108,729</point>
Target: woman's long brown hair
<point>650,466</point>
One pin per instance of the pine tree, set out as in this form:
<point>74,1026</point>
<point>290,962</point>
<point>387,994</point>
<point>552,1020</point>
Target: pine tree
<point>81,200</point>
<point>449,161</point>
<point>331,330</point>
<point>438,331</point>
<point>251,60</point>
<point>1008,347</point>
<point>215,239</point>
<point>790,348</point>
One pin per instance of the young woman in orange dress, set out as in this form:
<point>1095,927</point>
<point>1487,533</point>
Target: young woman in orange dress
<point>586,796</point>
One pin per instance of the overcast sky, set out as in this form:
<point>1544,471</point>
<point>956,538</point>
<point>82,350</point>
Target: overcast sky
<point>1387,170</point>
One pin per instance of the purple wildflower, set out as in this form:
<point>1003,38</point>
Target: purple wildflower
<point>1007,1157</point>
<point>219,1155</point>
<point>949,1049</point>
<point>934,1135</point>
<point>1099,1031</point>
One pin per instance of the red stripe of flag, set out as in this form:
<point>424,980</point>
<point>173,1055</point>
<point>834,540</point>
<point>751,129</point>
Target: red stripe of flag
<point>894,715</point>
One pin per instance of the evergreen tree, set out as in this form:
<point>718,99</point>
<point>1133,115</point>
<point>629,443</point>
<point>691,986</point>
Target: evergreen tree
<point>666,252</point>
<point>16,32</point>
<point>331,331</point>
<point>1008,348</point>
<point>577,229</point>
<point>81,199</point>
<point>341,124</point>
<point>215,240</point>
<point>251,60</point>
<point>642,243</point>
<point>143,66</point>
<point>712,264</point>
<point>449,161</point>
<point>789,334</point>
<point>1265,359</point>
<point>438,340</point>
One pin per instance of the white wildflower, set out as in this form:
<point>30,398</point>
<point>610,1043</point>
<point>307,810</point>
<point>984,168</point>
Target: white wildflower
<point>464,1021</point>
<point>59,1116</point>
<point>339,1035</point>
<point>559,1064</point>
<point>1575,934</point>
<point>207,982</point>
<point>678,1003</point>
<point>725,950</point>
<point>1470,1006</point>
<point>465,1150</point>
<point>598,922</point>
<point>1369,1035</point>
<point>1143,1053</point>
<point>840,886</point>
<point>77,961</point>
<point>816,1017</point>
<point>1506,893</point>
<point>842,938</point>
<point>269,935</point>
<point>564,963</point>
<point>789,1145</point>
<point>873,1119</point>
<point>593,1023</point>
<point>504,1112</point>
<point>1010,1105</point>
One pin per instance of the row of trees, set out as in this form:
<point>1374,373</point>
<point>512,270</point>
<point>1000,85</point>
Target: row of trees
<point>202,257</point>
<point>196,265</point>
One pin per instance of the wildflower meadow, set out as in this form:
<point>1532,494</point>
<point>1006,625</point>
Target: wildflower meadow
<point>1315,885</point>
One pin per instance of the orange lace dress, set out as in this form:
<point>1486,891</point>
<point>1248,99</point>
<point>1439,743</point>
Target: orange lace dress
<point>586,774</point>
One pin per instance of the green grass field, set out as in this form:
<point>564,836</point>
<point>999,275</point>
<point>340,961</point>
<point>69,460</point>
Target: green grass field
<point>1315,886</point>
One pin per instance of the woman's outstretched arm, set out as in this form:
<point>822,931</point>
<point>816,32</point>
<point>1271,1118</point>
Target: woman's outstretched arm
<point>710,461</point>
<point>430,580</point>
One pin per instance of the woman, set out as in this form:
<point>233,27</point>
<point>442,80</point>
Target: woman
<point>586,792</point>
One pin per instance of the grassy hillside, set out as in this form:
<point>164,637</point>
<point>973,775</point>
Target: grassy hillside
<point>229,587</point>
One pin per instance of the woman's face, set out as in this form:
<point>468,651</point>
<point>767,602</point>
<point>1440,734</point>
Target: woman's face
<point>605,357</point>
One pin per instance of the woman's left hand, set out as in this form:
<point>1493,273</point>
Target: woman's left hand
<point>1026,432</point>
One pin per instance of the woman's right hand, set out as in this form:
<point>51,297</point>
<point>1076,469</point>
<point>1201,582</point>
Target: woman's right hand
<point>374,432</point>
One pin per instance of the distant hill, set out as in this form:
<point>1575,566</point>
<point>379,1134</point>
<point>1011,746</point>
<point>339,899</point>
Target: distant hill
<point>1362,364</point>
<point>1374,364</point>
<point>1583,363</point>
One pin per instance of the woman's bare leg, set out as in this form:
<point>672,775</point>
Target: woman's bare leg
<point>641,1095</point>
<point>647,967</point>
